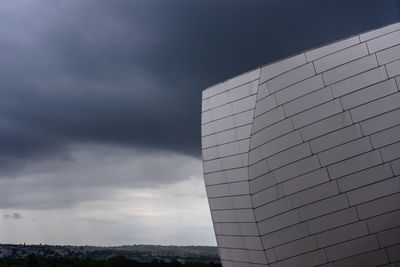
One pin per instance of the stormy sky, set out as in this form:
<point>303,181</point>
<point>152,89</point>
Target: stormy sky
<point>100,106</point>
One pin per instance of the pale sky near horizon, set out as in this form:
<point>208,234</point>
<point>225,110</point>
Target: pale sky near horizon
<point>100,107</point>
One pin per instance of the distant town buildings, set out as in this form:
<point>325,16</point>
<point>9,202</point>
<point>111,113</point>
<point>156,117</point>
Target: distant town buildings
<point>143,253</point>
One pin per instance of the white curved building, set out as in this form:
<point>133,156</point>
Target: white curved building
<point>301,157</point>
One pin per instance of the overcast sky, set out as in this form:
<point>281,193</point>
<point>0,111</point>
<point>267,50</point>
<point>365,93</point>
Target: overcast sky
<point>100,106</point>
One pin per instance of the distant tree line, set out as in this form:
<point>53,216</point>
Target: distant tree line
<point>118,261</point>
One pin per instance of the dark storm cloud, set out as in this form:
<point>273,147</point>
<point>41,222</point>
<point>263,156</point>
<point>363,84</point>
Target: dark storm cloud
<point>131,72</point>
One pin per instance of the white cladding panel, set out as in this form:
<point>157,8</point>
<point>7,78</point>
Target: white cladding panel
<point>302,157</point>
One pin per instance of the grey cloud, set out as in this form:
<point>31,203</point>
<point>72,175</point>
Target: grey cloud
<point>14,216</point>
<point>92,173</point>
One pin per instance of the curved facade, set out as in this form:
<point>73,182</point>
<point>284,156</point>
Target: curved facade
<point>301,157</point>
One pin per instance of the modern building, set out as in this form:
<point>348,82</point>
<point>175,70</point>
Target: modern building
<point>301,157</point>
